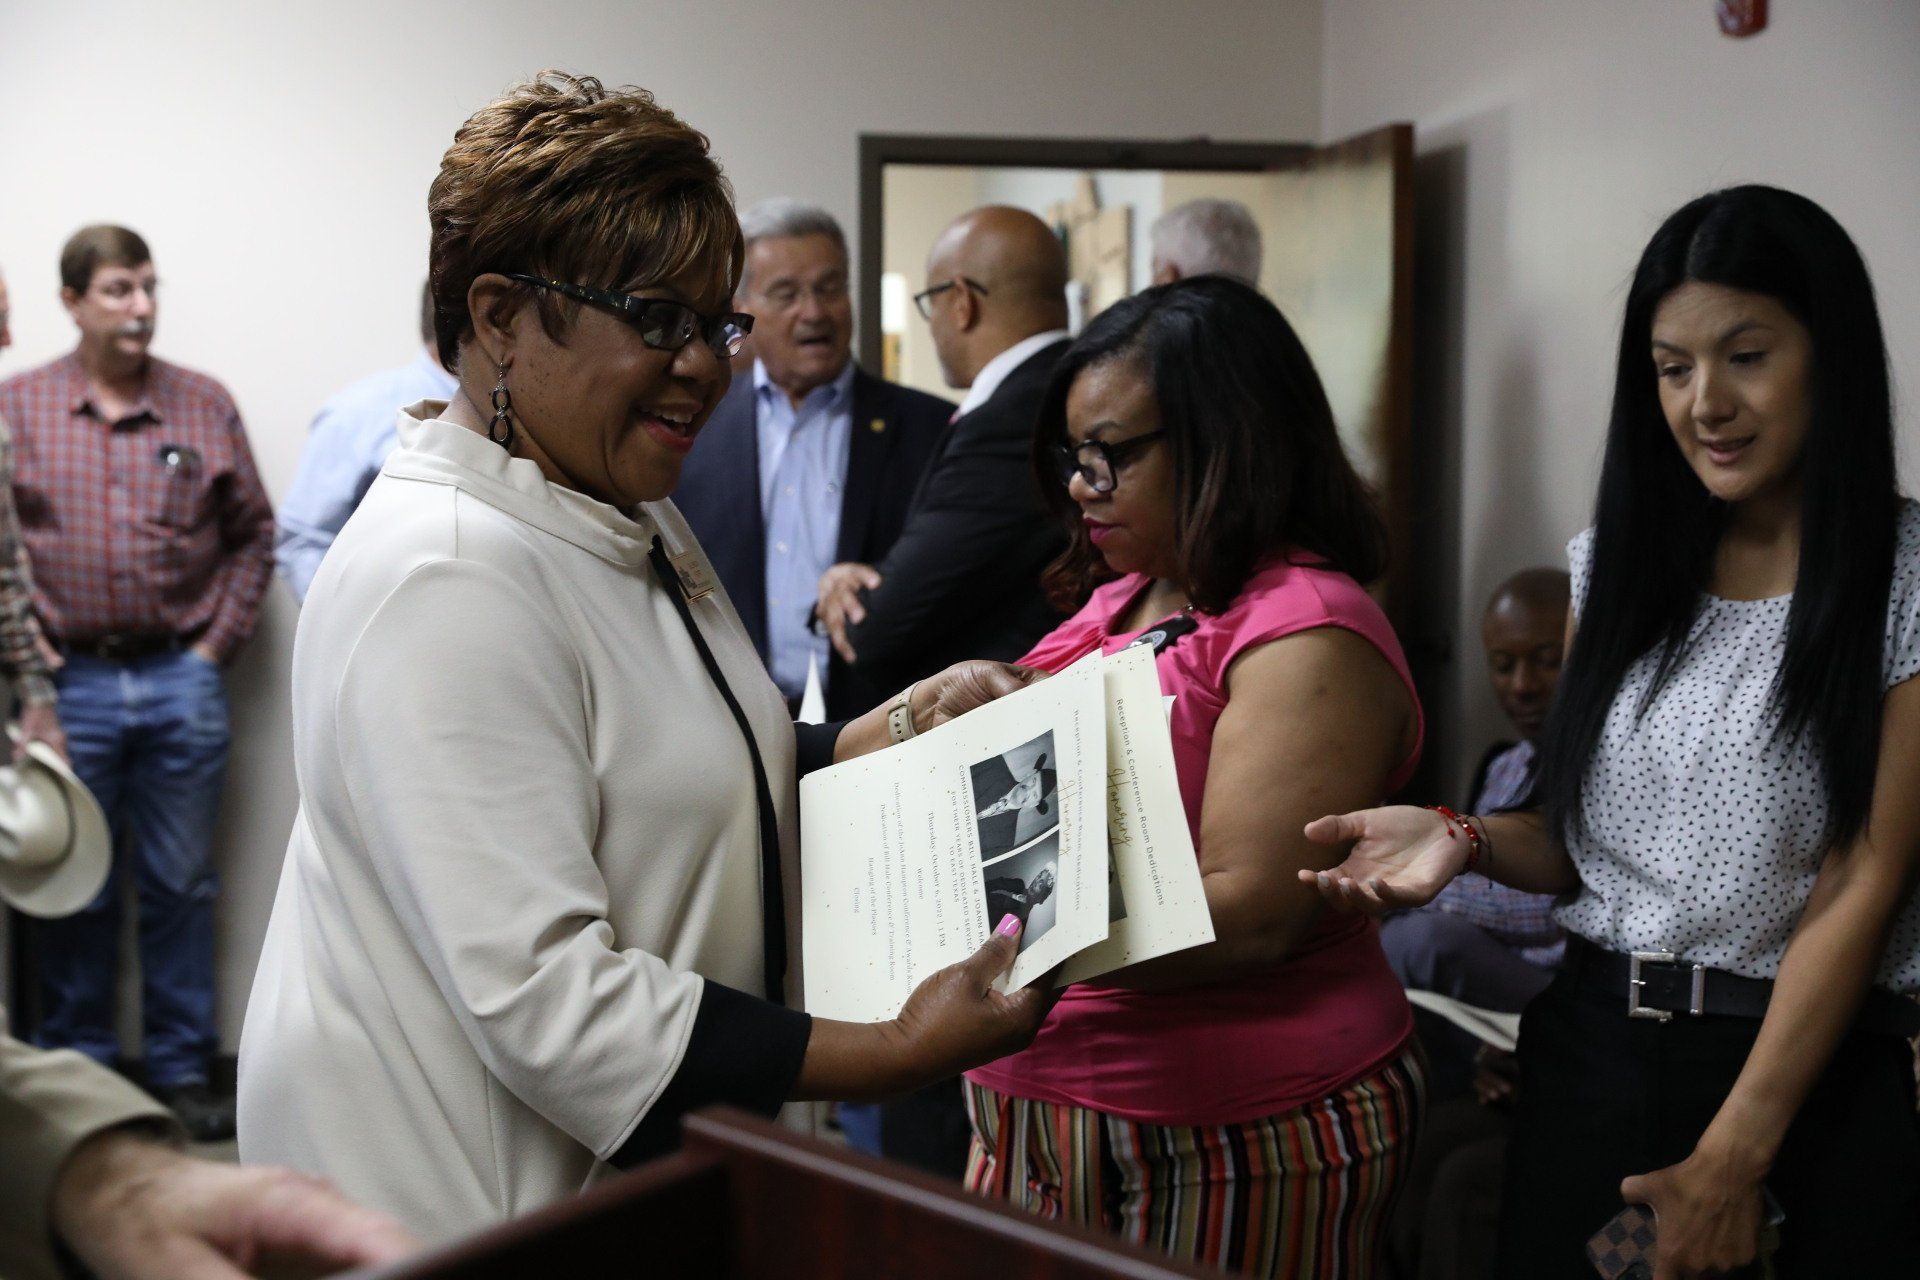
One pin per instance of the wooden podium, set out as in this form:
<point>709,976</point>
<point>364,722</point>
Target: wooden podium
<point>746,1199</point>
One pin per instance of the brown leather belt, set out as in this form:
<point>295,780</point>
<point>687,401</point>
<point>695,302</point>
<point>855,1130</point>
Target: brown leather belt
<point>128,647</point>
<point>1659,986</point>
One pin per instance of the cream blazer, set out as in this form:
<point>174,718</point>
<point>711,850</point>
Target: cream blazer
<point>527,830</point>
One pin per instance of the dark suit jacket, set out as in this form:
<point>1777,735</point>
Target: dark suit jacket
<point>963,579</point>
<point>895,431</point>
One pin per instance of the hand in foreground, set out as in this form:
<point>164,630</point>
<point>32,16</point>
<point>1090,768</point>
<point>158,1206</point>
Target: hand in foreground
<point>1709,1216</point>
<point>964,686</point>
<point>839,606</point>
<point>1402,856</point>
<point>40,722</point>
<point>955,1020</point>
<point>132,1209</point>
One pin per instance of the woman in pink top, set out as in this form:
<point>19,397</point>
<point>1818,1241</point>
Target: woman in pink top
<point>1250,1103</point>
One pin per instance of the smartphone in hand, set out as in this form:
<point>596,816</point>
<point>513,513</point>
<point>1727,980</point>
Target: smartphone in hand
<point>1624,1248</point>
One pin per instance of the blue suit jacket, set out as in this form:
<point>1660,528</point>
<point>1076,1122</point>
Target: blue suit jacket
<point>895,432</point>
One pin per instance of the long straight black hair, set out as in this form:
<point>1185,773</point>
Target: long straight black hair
<point>1657,527</point>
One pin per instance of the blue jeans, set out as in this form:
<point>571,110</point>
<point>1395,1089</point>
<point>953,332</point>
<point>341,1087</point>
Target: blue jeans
<point>149,738</point>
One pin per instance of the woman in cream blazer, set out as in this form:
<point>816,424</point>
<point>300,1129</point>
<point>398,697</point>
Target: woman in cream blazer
<point>534,907</point>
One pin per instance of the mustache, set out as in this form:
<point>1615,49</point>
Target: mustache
<point>135,329</point>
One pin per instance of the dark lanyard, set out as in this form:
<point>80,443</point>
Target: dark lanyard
<point>1162,636</point>
<point>773,906</point>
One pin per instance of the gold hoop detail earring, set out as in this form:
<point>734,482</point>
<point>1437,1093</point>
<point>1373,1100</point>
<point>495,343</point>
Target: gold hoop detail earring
<point>500,429</point>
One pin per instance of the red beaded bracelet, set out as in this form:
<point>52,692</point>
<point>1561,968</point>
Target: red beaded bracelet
<point>1473,836</point>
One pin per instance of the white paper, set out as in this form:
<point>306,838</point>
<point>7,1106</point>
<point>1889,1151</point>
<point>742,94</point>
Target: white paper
<point>1058,803</point>
<point>1501,1030</point>
<point>903,850</point>
<point>1156,902</point>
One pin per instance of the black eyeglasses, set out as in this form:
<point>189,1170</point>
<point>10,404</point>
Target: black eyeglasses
<point>924,299</point>
<point>664,324</point>
<point>1097,462</point>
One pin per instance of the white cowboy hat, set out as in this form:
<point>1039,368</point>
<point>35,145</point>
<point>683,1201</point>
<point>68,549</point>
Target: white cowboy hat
<point>54,847</point>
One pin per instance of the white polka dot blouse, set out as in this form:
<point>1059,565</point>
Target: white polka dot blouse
<point>1701,828</point>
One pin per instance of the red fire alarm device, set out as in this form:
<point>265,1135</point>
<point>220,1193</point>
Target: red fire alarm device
<point>1741,17</point>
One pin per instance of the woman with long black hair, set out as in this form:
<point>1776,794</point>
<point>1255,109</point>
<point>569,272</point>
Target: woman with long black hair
<point>1727,784</point>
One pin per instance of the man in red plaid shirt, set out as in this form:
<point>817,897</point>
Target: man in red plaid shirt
<point>151,542</point>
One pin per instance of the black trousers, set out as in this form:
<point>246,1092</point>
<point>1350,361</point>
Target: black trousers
<point>1603,1096</point>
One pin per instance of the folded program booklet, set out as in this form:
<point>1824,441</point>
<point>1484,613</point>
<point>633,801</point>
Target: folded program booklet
<point>1057,804</point>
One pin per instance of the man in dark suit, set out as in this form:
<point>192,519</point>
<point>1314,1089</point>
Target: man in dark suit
<point>963,578</point>
<point>809,460</point>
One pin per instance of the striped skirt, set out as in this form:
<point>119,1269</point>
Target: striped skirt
<point>1305,1193</point>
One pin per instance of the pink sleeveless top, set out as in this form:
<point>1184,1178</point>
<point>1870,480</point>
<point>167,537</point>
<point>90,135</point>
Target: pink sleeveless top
<point>1228,1052</point>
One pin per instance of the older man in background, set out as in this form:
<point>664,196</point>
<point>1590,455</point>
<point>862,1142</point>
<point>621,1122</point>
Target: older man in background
<point>809,459</point>
<point>151,541</point>
<point>347,445</point>
<point>1206,237</point>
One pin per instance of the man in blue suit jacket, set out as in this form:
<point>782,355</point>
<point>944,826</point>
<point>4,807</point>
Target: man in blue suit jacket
<point>809,460</point>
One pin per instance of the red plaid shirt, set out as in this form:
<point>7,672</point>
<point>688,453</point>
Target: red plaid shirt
<point>154,524</point>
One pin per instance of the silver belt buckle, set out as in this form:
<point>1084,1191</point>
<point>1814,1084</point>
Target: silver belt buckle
<point>1696,997</point>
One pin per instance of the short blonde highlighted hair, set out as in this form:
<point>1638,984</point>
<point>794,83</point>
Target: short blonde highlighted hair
<point>563,178</point>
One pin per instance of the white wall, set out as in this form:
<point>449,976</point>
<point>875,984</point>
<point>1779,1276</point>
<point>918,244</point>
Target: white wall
<point>277,158</point>
<point>1553,137</point>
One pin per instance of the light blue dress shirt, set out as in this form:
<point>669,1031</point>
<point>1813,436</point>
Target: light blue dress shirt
<point>803,467</point>
<point>346,447</point>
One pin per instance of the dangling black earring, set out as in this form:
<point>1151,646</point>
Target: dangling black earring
<point>500,430</point>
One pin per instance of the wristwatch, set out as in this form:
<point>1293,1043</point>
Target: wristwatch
<point>900,725</point>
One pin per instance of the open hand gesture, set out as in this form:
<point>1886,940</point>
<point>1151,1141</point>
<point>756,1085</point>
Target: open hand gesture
<point>1401,857</point>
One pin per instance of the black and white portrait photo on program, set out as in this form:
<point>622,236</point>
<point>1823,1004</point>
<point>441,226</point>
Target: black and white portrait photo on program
<point>1024,884</point>
<point>1016,796</point>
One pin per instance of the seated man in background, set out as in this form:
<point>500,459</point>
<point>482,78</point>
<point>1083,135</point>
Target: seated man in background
<point>1480,942</point>
<point>347,445</point>
<point>1206,237</point>
<point>809,459</point>
<point>1484,944</point>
